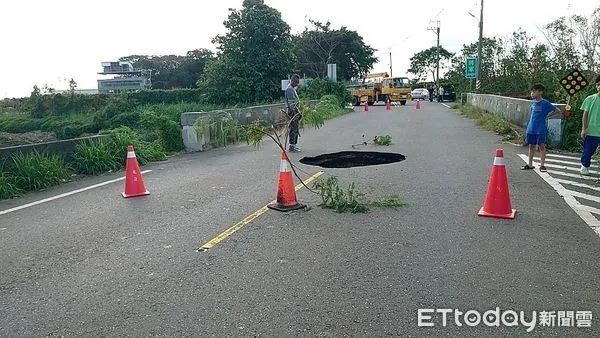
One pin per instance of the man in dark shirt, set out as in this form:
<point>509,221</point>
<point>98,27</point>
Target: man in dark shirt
<point>292,102</point>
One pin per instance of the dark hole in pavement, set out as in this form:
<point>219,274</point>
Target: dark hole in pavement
<point>349,159</point>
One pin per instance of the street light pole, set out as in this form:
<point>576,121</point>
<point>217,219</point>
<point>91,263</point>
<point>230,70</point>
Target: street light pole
<point>479,46</point>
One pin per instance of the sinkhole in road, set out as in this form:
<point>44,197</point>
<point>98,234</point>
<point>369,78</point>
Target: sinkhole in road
<point>349,159</point>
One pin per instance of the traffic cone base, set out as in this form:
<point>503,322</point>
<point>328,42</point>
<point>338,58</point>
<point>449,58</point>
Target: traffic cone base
<point>283,208</point>
<point>286,192</point>
<point>135,195</point>
<point>511,215</point>
<point>497,199</point>
<point>134,183</point>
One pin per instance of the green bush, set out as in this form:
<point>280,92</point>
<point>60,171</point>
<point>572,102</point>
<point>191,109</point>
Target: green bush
<point>169,131</point>
<point>95,157</point>
<point>167,96</point>
<point>333,197</point>
<point>66,127</point>
<point>491,122</point>
<point>34,170</point>
<point>174,111</point>
<point>327,108</point>
<point>70,131</point>
<point>145,151</point>
<point>497,124</point>
<point>317,88</point>
<point>7,188</point>
<point>11,124</point>
<point>119,105</point>
<point>129,119</point>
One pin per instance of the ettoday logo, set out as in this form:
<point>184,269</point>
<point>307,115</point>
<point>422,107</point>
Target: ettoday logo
<point>509,318</point>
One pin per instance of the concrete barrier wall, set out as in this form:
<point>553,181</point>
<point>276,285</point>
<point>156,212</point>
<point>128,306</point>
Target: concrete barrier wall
<point>517,111</point>
<point>64,148</point>
<point>192,141</point>
<point>244,116</point>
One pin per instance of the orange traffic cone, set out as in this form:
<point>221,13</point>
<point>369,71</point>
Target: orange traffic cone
<point>134,184</point>
<point>388,106</point>
<point>366,105</point>
<point>497,200</point>
<point>286,193</point>
<point>418,104</point>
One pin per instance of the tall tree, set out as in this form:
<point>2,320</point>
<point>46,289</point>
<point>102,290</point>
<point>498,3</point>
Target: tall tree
<point>173,71</point>
<point>562,39</point>
<point>72,86</point>
<point>254,56</point>
<point>425,62</point>
<point>589,37</point>
<point>321,45</point>
<point>35,101</point>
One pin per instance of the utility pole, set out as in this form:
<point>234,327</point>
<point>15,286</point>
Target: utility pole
<point>436,30</point>
<point>438,55</point>
<point>479,46</point>
<point>391,73</point>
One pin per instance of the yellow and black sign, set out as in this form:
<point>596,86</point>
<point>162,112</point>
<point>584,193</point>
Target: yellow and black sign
<point>573,82</point>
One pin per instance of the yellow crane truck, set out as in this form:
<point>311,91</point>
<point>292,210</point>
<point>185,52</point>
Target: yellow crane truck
<point>379,87</point>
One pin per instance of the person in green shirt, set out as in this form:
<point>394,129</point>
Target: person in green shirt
<point>590,128</point>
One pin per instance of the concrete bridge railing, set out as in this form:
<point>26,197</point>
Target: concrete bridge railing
<point>64,148</point>
<point>517,111</point>
<point>244,116</point>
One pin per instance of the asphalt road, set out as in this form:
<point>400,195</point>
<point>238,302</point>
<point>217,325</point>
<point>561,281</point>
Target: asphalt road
<point>95,264</point>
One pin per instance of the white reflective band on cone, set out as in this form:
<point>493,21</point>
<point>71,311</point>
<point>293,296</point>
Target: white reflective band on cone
<point>283,168</point>
<point>499,161</point>
<point>131,154</point>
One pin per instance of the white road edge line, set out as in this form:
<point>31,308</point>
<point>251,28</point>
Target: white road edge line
<point>583,211</point>
<point>3,212</point>
<point>445,105</point>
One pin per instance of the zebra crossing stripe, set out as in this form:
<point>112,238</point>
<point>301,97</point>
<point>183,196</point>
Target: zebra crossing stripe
<point>577,164</point>
<point>568,168</point>
<point>567,157</point>
<point>585,212</point>
<point>576,184</point>
<point>579,176</point>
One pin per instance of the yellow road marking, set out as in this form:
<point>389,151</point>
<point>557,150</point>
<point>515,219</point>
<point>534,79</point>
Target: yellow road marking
<point>250,218</point>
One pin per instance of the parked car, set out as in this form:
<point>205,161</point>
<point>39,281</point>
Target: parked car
<point>449,94</point>
<point>420,94</point>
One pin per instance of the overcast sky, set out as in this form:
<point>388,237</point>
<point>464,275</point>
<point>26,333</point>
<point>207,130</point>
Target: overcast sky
<point>50,41</point>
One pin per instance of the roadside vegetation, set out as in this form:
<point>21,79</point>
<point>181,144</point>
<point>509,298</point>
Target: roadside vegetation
<point>155,135</point>
<point>35,171</point>
<point>494,123</point>
<point>512,64</point>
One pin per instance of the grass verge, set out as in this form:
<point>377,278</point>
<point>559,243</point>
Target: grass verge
<point>494,123</point>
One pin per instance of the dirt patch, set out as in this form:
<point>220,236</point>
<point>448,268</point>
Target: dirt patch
<point>10,139</point>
